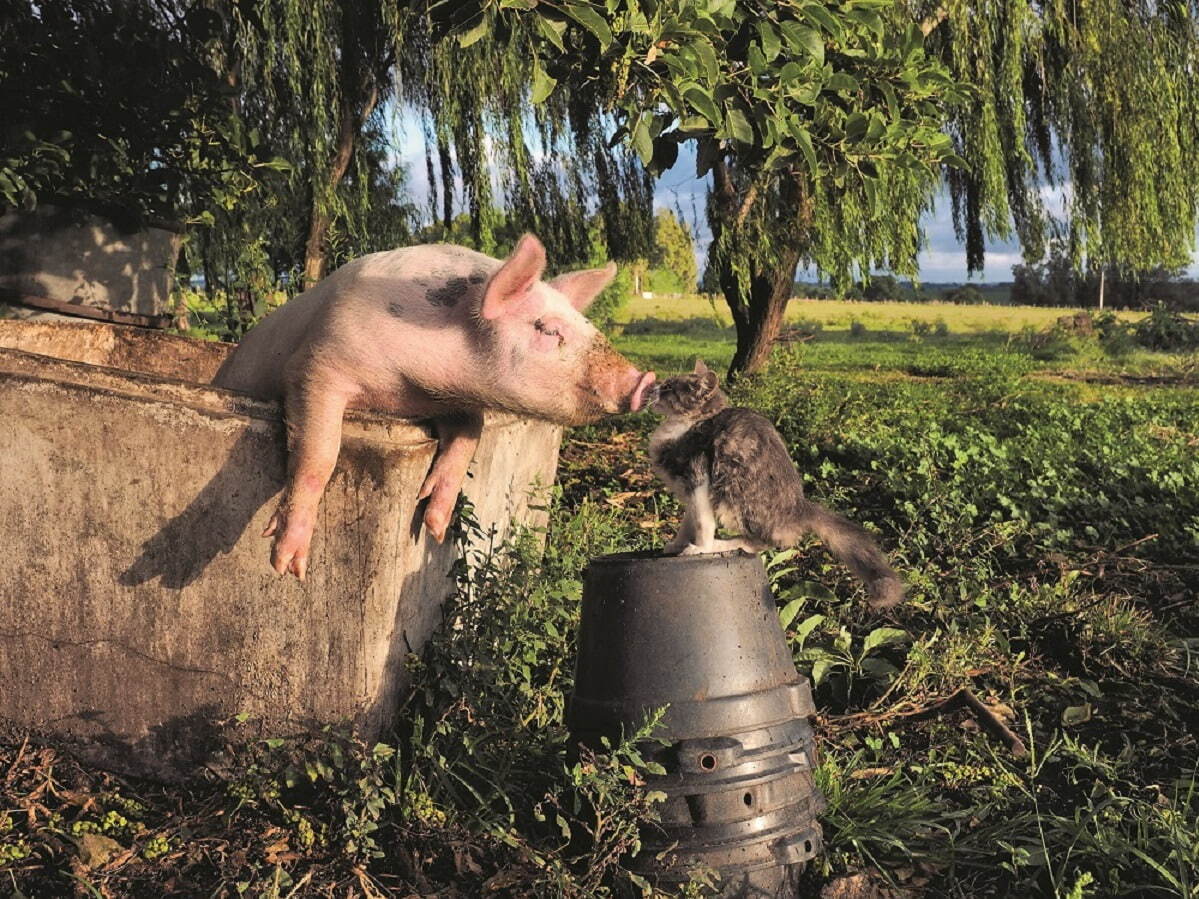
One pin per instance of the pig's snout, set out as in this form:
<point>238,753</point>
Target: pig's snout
<point>610,383</point>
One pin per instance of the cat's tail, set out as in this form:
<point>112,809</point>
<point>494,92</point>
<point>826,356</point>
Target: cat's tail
<point>852,546</point>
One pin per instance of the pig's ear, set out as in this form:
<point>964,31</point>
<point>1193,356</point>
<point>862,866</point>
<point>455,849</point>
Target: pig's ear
<point>510,290</point>
<point>700,368</point>
<point>583,287</point>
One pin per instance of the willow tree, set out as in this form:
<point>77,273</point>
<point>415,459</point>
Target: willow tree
<point>827,128</point>
<point>821,126</point>
<point>312,74</point>
<point>1096,98</point>
<point>319,73</point>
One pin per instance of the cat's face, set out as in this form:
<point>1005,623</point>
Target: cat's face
<point>686,395</point>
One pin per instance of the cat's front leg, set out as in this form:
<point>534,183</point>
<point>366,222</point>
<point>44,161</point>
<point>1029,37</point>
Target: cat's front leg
<point>685,535</point>
<point>723,546</point>
<point>703,522</point>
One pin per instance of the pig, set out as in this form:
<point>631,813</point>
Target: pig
<point>437,332</point>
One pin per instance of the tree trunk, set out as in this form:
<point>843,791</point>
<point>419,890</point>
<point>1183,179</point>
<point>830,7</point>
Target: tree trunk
<point>758,312</point>
<point>359,72</point>
<point>759,316</point>
<point>316,250</point>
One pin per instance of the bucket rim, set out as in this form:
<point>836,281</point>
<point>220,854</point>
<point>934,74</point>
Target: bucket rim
<point>655,555</point>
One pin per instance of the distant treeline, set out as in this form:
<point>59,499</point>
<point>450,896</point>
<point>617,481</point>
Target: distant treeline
<point>1055,283</point>
<point>1045,284</point>
<point>886,287</point>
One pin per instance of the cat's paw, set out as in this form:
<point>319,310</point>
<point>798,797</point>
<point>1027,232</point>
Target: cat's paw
<point>692,550</point>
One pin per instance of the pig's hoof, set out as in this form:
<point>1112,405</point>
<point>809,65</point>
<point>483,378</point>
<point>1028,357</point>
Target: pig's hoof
<point>437,521</point>
<point>287,560</point>
<point>289,552</point>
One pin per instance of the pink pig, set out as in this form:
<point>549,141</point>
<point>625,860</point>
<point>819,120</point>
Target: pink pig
<point>434,331</point>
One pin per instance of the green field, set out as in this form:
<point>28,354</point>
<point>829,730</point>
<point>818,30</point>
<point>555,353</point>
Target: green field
<point>1039,495</point>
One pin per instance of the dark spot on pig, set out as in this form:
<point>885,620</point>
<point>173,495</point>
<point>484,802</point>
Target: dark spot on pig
<point>477,277</point>
<point>396,309</point>
<point>450,294</point>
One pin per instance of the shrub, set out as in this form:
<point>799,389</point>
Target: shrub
<point>1167,331</point>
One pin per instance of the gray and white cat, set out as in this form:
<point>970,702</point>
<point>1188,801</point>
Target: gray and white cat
<point>728,466</point>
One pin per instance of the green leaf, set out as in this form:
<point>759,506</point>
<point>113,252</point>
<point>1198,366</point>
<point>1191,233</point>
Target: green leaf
<point>843,641</point>
<point>739,126</point>
<point>839,81</point>
<point>819,14</point>
<point>586,15</point>
<point>855,126</point>
<point>707,58</point>
<point>820,670</point>
<point>543,85</point>
<point>805,143</point>
<point>869,18</point>
<point>757,60</point>
<point>643,144</point>
<point>809,624</point>
<point>803,39</point>
<point>790,73</point>
<point>788,612</point>
<point>552,30</point>
<point>884,636</point>
<point>702,102</point>
<point>476,34</point>
<point>771,45</point>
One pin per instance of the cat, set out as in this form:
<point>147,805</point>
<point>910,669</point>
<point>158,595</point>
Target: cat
<point>728,466</point>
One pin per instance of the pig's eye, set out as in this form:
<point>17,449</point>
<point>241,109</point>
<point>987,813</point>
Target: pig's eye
<point>546,329</point>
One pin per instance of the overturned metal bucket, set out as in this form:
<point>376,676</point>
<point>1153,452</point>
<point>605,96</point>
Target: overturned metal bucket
<point>701,635</point>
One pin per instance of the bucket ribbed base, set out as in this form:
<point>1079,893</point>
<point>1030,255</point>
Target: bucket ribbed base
<point>700,635</point>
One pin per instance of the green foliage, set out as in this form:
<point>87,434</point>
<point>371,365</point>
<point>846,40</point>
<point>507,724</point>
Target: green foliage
<point>327,790</point>
<point>1167,331</point>
<point>157,138</point>
<point>1131,200</point>
<point>966,294</point>
<point>674,252</point>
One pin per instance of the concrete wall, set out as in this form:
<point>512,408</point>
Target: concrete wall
<point>137,606</point>
<point>75,257</point>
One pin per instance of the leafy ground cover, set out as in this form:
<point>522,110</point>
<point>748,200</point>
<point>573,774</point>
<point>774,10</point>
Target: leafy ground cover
<point>1045,512</point>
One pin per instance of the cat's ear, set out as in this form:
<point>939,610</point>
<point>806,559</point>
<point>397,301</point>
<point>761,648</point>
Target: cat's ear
<point>710,382</point>
<point>700,368</point>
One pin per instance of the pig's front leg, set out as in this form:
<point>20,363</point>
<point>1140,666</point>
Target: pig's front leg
<point>314,417</point>
<point>457,437</point>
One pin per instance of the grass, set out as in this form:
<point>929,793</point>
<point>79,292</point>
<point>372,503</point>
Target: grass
<point>839,314</point>
<point>1041,498</point>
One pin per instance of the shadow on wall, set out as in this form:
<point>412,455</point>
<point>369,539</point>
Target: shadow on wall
<point>66,254</point>
<point>213,522</point>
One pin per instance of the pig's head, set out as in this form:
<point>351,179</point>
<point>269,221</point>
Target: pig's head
<point>544,357</point>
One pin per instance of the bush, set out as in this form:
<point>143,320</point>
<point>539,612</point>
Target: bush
<point>966,294</point>
<point>613,299</point>
<point>1167,331</point>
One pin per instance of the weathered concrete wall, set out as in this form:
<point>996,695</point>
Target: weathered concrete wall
<point>75,257</point>
<point>137,607</point>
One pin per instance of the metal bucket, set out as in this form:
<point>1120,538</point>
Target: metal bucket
<point>700,635</point>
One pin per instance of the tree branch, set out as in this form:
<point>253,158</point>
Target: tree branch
<point>931,21</point>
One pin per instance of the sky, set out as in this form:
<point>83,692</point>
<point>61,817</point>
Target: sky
<point>943,258</point>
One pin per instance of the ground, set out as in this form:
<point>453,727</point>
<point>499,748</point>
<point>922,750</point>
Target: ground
<point>1024,725</point>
